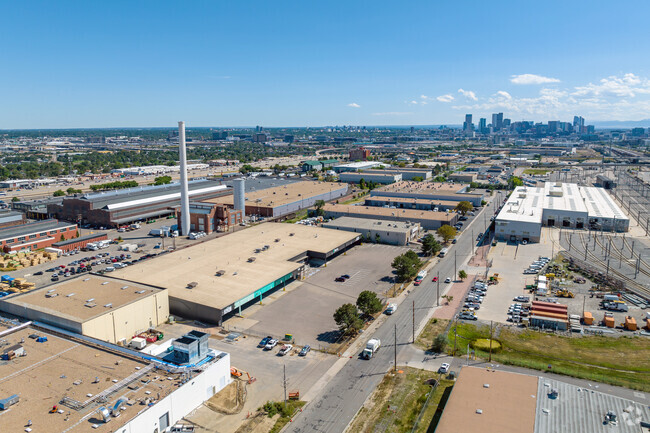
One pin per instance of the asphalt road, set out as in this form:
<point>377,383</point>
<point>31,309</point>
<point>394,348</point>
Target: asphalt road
<point>343,396</point>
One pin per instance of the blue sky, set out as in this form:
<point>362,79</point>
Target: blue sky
<point>302,63</point>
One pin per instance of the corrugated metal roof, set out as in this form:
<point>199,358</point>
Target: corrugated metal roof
<point>101,199</point>
<point>582,410</point>
<point>31,228</point>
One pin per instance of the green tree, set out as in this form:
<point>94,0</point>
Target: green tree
<point>514,182</point>
<point>162,180</point>
<point>347,318</point>
<point>406,266</point>
<point>72,190</point>
<point>463,207</point>
<point>319,207</point>
<point>447,298</point>
<point>439,179</point>
<point>362,183</point>
<point>62,238</point>
<point>59,193</point>
<point>368,303</point>
<point>417,179</point>
<point>377,238</point>
<point>446,232</point>
<point>15,199</point>
<point>439,343</point>
<point>462,274</point>
<point>430,245</point>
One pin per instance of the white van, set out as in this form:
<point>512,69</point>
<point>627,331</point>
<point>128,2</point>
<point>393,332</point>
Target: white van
<point>391,309</point>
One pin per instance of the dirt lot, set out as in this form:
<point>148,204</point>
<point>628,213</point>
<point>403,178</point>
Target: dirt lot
<point>306,310</point>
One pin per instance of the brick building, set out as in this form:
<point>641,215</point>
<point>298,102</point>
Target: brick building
<point>360,154</point>
<point>35,235</point>
<point>80,242</point>
<point>211,217</point>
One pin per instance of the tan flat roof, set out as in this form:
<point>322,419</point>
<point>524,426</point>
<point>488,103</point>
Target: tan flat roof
<point>73,295</point>
<point>61,368</point>
<point>507,405</point>
<point>281,195</point>
<point>383,211</point>
<point>408,186</point>
<point>230,253</point>
<point>413,200</point>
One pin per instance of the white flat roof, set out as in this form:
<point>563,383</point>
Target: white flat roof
<point>527,204</point>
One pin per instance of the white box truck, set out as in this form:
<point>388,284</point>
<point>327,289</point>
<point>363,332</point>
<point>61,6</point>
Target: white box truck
<point>138,343</point>
<point>372,346</point>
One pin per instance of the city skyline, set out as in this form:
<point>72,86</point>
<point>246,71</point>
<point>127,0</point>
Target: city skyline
<point>314,65</point>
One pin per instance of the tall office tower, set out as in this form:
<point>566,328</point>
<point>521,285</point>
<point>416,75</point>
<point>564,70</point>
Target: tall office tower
<point>553,126</point>
<point>482,125</point>
<point>578,124</point>
<point>468,125</point>
<point>497,121</point>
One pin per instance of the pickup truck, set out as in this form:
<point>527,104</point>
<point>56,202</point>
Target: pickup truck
<point>372,346</point>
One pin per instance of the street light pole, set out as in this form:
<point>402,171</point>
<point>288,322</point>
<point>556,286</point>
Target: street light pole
<point>438,290</point>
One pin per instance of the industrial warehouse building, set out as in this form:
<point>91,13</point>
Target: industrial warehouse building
<point>283,200</point>
<point>411,203</point>
<point>357,166</point>
<point>115,208</point>
<point>385,232</point>
<point>492,401</point>
<point>80,242</point>
<point>406,173</point>
<point>100,387</point>
<point>35,235</point>
<point>429,220</point>
<point>557,204</point>
<point>96,306</point>
<point>11,218</point>
<point>222,276</point>
<point>376,177</point>
<point>429,191</point>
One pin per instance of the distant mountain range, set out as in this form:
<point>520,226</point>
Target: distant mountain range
<point>622,124</point>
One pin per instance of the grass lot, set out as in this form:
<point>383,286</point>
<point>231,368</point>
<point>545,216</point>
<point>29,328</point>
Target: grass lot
<point>396,403</point>
<point>621,361</point>
<point>360,197</point>
<point>293,405</point>
<point>536,171</point>
<point>430,331</point>
<point>436,405</point>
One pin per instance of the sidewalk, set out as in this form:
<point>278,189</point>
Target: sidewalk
<point>458,290</point>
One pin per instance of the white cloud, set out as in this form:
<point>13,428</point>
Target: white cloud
<point>468,94</point>
<point>629,85</point>
<point>414,102</point>
<point>504,94</point>
<point>625,97</point>
<point>532,79</point>
<point>354,105</point>
<point>393,113</point>
<point>445,98</point>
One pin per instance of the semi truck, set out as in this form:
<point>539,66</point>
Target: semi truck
<point>372,346</point>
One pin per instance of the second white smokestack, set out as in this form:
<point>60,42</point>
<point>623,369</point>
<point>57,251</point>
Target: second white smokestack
<point>185,195</point>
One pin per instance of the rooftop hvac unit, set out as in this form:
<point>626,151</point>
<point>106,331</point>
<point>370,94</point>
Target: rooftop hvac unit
<point>108,305</point>
<point>90,300</point>
<point>220,273</point>
<point>104,283</point>
<point>69,295</point>
<point>139,292</point>
<point>51,295</point>
<point>124,287</point>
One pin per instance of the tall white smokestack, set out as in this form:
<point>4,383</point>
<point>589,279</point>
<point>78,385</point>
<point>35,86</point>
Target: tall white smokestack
<point>239,199</point>
<point>185,195</point>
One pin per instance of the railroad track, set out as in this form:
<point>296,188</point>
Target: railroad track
<point>630,284</point>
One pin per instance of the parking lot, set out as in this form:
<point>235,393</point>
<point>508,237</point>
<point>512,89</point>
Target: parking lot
<point>150,245</point>
<point>510,260</point>
<point>265,366</point>
<point>306,310</point>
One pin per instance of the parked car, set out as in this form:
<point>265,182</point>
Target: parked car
<point>271,344</point>
<point>391,309</point>
<point>466,315</point>
<point>339,279</point>
<point>109,269</point>
<point>286,348</point>
<point>448,280</point>
<point>346,276</point>
<point>435,279</point>
<point>265,341</point>
<point>38,273</point>
<point>305,350</point>
<point>444,368</point>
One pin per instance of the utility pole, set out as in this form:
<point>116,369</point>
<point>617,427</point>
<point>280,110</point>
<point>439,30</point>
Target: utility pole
<point>455,334</point>
<point>607,268</point>
<point>584,300</point>
<point>284,383</point>
<point>455,267</point>
<point>438,290</point>
<point>472,242</point>
<point>413,322</point>
<point>632,251</point>
<point>395,347</point>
